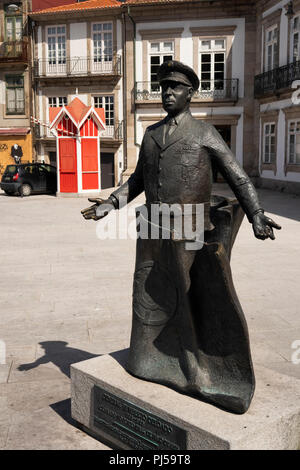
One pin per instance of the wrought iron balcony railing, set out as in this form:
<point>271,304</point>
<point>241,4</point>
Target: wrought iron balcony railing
<point>13,51</point>
<point>111,132</point>
<point>209,90</point>
<point>276,79</point>
<point>78,66</point>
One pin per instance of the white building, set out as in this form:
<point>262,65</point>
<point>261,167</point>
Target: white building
<point>78,52</point>
<point>276,83</point>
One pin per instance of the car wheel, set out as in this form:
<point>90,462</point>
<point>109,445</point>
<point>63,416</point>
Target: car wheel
<point>25,190</point>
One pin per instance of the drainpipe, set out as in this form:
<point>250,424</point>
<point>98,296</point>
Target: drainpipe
<point>134,72</point>
<point>124,94</point>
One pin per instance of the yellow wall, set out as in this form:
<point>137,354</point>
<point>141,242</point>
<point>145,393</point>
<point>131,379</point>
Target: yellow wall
<point>25,141</point>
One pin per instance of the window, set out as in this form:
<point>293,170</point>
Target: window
<point>160,52</point>
<point>106,102</point>
<point>13,25</point>
<point>102,42</point>
<point>271,55</point>
<point>295,39</point>
<point>15,102</point>
<point>212,64</point>
<point>56,45</point>
<point>57,101</point>
<point>269,152</point>
<point>294,143</point>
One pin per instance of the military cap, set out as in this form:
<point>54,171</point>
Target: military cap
<point>178,72</point>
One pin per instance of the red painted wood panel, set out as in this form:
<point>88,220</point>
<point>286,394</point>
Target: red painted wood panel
<point>90,168</point>
<point>66,128</point>
<point>68,166</point>
<point>89,128</point>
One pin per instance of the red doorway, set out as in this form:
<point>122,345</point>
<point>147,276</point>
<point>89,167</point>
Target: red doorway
<point>68,165</point>
<point>89,151</point>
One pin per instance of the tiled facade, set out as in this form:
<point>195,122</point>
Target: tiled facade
<point>15,85</point>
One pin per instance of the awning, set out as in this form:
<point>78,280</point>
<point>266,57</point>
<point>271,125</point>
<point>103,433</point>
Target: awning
<point>14,130</point>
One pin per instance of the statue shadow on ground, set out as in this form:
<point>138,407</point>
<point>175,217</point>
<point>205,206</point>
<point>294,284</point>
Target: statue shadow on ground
<point>60,354</point>
<point>63,408</point>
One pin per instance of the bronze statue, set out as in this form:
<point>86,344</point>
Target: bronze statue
<point>188,328</point>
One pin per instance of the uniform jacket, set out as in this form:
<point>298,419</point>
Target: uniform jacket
<point>180,170</point>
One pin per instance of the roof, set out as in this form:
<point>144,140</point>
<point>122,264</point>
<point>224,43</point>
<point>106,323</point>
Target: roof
<point>78,112</point>
<point>146,2</point>
<point>43,4</point>
<point>81,6</point>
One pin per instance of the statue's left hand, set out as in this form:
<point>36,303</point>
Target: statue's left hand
<point>263,226</point>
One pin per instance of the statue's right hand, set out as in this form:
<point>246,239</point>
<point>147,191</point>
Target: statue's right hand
<point>98,210</point>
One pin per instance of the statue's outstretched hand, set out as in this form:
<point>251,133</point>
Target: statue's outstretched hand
<point>263,226</point>
<point>98,210</point>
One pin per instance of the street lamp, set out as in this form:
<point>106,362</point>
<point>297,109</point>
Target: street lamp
<point>13,8</point>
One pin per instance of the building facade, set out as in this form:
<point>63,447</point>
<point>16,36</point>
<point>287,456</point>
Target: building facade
<point>15,84</point>
<point>78,52</point>
<point>107,53</point>
<point>277,123</point>
<point>216,39</point>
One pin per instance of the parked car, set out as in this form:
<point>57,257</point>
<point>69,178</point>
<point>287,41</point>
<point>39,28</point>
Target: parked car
<point>28,178</point>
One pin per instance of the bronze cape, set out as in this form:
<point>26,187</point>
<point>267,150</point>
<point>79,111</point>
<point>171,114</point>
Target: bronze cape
<point>188,329</point>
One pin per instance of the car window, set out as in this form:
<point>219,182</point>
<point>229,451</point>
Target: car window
<point>44,168</point>
<point>11,169</point>
<point>28,169</point>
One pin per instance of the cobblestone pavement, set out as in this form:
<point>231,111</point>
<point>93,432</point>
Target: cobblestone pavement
<point>65,296</point>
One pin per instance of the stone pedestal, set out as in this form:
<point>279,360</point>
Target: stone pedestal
<point>129,413</point>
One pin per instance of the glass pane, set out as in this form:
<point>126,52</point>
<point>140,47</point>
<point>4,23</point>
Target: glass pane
<point>168,46</point>
<point>9,29</point>
<point>18,25</point>
<point>219,67</point>
<point>155,60</point>
<point>219,57</point>
<point>167,57</point>
<point>205,67</point>
<point>205,45</point>
<point>295,23</point>
<point>267,129</point>
<point>219,44</point>
<point>205,58</point>
<point>155,47</point>
<point>272,128</point>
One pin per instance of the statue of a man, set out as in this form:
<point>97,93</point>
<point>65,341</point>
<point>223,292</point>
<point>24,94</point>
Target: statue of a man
<point>188,328</point>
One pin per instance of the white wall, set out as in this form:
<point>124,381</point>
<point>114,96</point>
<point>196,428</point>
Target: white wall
<point>281,150</point>
<point>186,43</point>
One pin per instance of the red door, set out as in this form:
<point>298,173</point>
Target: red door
<point>68,166</point>
<point>90,169</point>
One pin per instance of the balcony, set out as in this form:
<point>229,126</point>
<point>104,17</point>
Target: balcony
<point>111,133</point>
<point>209,91</point>
<point>271,82</point>
<point>13,51</point>
<point>108,66</point>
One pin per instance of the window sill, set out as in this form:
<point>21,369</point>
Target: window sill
<point>293,167</point>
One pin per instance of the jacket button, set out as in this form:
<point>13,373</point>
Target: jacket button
<point>159,184</point>
<point>159,169</point>
<point>161,155</point>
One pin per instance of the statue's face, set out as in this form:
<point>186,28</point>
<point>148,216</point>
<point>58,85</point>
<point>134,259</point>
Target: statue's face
<point>176,97</point>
